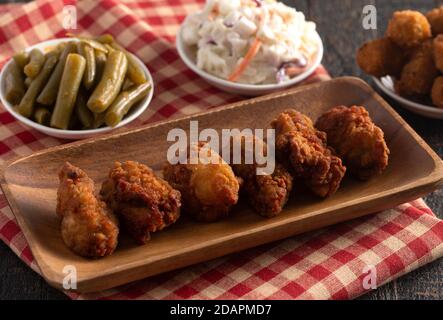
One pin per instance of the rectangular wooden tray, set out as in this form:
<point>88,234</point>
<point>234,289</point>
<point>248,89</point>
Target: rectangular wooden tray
<point>30,185</point>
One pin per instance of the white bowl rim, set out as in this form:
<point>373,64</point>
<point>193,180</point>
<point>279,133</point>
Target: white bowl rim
<point>409,103</point>
<point>243,86</point>
<point>144,104</point>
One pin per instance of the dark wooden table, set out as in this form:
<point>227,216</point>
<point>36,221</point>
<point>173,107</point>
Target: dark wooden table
<point>340,25</point>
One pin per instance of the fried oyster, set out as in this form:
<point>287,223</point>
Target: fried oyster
<point>306,153</point>
<point>357,140</point>
<point>144,202</point>
<point>207,183</point>
<point>267,192</point>
<point>88,227</point>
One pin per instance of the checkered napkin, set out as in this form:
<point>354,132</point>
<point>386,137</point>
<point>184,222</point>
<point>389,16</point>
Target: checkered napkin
<point>340,262</point>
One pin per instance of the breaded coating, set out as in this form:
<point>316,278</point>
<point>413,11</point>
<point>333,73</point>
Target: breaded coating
<point>435,18</point>
<point>207,183</point>
<point>357,140</point>
<point>417,76</point>
<point>144,202</point>
<point>305,150</point>
<point>380,58</point>
<point>267,192</point>
<point>437,93</point>
<point>408,28</point>
<point>88,227</point>
<point>438,52</point>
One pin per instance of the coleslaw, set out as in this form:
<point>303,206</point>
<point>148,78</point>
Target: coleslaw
<point>251,41</point>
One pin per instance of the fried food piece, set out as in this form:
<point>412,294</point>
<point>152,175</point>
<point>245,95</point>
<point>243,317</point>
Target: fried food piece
<point>357,140</point>
<point>417,76</point>
<point>408,28</point>
<point>143,202</point>
<point>437,93</point>
<point>207,183</point>
<point>380,58</point>
<point>310,159</point>
<point>88,227</point>
<point>435,18</point>
<point>268,192</point>
<point>438,52</point>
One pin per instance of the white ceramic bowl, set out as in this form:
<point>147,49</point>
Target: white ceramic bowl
<point>135,112</point>
<point>188,58</point>
<point>386,85</point>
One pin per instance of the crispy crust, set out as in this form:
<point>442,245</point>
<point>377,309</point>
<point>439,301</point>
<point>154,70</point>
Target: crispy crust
<point>357,140</point>
<point>267,193</point>
<point>88,227</point>
<point>408,28</point>
<point>437,93</point>
<point>381,57</point>
<point>417,76</point>
<point>209,190</point>
<point>435,18</point>
<point>310,159</point>
<point>144,202</point>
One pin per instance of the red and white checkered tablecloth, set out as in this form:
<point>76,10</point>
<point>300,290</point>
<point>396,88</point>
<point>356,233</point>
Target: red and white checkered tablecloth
<point>328,264</point>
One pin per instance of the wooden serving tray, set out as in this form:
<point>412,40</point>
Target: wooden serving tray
<point>30,185</point>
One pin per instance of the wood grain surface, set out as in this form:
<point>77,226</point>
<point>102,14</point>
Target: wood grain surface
<point>31,183</point>
<point>339,24</point>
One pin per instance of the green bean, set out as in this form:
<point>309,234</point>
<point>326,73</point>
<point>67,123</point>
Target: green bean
<point>88,53</point>
<point>135,73</point>
<point>100,61</point>
<point>28,82</point>
<point>67,93</point>
<point>22,59</point>
<point>36,61</point>
<point>124,102</point>
<point>99,120</point>
<point>26,106</point>
<point>42,116</point>
<point>84,115</point>
<point>14,83</point>
<point>110,83</point>
<point>49,93</point>
<point>127,84</point>
<point>74,123</point>
<point>105,38</point>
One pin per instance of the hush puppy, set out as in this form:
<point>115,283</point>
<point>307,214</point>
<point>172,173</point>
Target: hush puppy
<point>380,58</point>
<point>438,52</point>
<point>417,77</point>
<point>437,92</point>
<point>435,18</point>
<point>408,28</point>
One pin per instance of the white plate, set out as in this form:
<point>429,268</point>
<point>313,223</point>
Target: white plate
<point>386,84</point>
<point>186,55</point>
<point>135,112</point>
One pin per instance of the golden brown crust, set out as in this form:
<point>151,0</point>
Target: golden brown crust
<point>380,58</point>
<point>309,157</point>
<point>267,193</point>
<point>438,52</point>
<point>88,227</point>
<point>437,93</point>
<point>357,140</point>
<point>144,202</point>
<point>435,18</point>
<point>417,76</point>
<point>408,28</point>
<point>208,190</point>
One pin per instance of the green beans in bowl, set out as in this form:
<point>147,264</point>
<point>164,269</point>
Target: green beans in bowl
<point>77,87</point>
